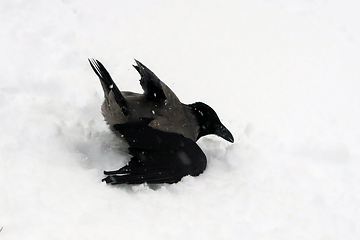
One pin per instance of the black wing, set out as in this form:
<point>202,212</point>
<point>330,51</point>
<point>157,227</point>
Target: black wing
<point>158,157</point>
<point>150,83</point>
<point>108,84</point>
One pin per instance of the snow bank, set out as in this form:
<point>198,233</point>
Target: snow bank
<point>282,75</point>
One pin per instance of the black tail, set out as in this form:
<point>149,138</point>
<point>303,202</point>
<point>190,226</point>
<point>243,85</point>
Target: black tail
<point>154,178</point>
<point>108,84</point>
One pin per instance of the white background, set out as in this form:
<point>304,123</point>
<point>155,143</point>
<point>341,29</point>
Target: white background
<point>283,75</point>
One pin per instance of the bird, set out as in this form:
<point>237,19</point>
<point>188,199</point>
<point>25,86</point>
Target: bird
<point>161,132</point>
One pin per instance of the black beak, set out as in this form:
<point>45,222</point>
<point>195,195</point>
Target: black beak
<point>223,132</point>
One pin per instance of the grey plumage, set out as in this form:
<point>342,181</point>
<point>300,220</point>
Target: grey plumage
<point>168,112</point>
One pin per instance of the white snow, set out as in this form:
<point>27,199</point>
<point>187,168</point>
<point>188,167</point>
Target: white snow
<point>282,75</point>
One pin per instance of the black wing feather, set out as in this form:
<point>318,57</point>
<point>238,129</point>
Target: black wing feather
<point>108,84</point>
<point>150,83</point>
<point>158,157</point>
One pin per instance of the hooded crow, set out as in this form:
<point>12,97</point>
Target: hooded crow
<point>160,130</point>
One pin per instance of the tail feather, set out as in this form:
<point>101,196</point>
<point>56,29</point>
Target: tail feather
<point>157,178</point>
<point>108,84</point>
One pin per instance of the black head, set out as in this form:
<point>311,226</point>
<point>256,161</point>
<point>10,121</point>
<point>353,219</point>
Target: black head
<point>209,122</point>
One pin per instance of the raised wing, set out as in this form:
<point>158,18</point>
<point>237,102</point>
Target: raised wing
<point>158,157</point>
<point>150,83</point>
<point>108,84</point>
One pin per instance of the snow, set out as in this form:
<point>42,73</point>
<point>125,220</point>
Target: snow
<point>282,75</point>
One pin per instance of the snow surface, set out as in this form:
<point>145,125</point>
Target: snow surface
<point>283,75</point>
